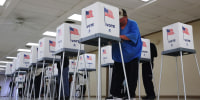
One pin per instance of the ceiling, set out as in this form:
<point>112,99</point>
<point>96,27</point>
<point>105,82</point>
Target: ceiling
<point>42,15</point>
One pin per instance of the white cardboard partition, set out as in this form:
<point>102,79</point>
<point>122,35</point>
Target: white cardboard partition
<point>100,18</point>
<point>9,68</point>
<point>49,70</point>
<point>68,36</point>
<point>106,55</point>
<point>87,61</point>
<point>14,65</point>
<point>178,35</point>
<point>33,54</point>
<point>23,59</point>
<point>146,53</point>
<point>72,65</point>
<point>46,47</point>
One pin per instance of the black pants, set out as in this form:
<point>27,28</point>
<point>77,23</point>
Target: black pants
<point>20,92</point>
<point>118,78</point>
<point>37,85</point>
<point>147,79</point>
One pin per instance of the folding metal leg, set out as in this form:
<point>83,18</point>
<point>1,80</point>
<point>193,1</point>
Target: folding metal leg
<point>99,69</point>
<point>127,87</point>
<point>54,88</point>
<point>177,78</point>
<point>139,80</point>
<point>17,87</point>
<point>45,86</point>
<point>42,77</point>
<point>73,83</point>
<point>183,75</point>
<point>33,85</point>
<point>154,81</point>
<point>29,82</point>
<point>109,80</point>
<point>195,55</point>
<point>82,87</point>
<point>26,83</point>
<point>160,77</point>
<point>85,72</point>
<point>12,87</point>
<point>61,77</point>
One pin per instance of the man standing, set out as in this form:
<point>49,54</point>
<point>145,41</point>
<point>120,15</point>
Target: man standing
<point>131,49</point>
<point>147,75</point>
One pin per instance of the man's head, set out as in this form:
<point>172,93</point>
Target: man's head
<point>123,17</point>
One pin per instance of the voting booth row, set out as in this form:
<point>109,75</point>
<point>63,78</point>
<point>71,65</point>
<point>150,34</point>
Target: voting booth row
<point>100,25</point>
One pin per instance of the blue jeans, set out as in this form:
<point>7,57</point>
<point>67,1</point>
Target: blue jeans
<point>65,82</point>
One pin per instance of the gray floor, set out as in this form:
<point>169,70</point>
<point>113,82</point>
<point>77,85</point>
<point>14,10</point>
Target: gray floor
<point>7,98</point>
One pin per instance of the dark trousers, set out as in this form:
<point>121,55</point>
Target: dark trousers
<point>147,79</point>
<point>118,78</point>
<point>20,92</point>
<point>37,85</point>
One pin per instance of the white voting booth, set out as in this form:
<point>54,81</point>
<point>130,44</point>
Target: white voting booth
<point>178,35</point>
<point>23,59</point>
<point>68,36</point>
<point>14,65</point>
<point>178,41</point>
<point>20,78</point>
<point>72,65</point>
<point>50,71</point>
<point>146,53</point>
<point>106,56</point>
<point>33,54</point>
<point>100,18</point>
<point>87,62</point>
<point>9,68</point>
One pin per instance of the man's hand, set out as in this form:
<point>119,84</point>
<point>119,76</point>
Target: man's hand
<point>123,37</point>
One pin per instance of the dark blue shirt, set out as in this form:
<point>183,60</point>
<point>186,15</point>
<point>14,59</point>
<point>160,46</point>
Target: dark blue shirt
<point>132,48</point>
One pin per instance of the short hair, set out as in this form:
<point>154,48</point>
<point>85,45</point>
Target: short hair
<point>122,12</point>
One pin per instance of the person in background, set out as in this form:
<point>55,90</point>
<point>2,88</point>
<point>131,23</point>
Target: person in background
<point>147,75</point>
<point>131,49</point>
<point>37,82</point>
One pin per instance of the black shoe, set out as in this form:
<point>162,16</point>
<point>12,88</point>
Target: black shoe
<point>148,98</point>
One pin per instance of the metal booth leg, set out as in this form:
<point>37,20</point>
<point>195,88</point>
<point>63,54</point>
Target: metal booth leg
<point>195,55</point>
<point>42,77</point>
<point>29,82</point>
<point>99,69</point>
<point>85,72</point>
<point>154,81</point>
<point>127,87</point>
<point>177,78</point>
<point>33,85</point>
<point>183,75</point>
<point>160,77</point>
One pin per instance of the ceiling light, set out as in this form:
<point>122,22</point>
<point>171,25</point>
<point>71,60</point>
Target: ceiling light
<point>2,2</point>
<point>32,44</point>
<point>2,66</point>
<point>1,69</point>
<point>48,33</point>
<point>145,0</point>
<point>5,62</point>
<point>25,50</point>
<point>11,57</point>
<point>76,17</point>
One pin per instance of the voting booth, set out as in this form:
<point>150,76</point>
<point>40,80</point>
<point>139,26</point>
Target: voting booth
<point>49,70</point>
<point>33,54</point>
<point>68,36</point>
<point>106,56</point>
<point>46,48</point>
<point>20,78</point>
<point>178,35</point>
<point>72,65</point>
<point>146,53</point>
<point>100,18</point>
<point>87,61</point>
<point>23,59</point>
<point>9,68</point>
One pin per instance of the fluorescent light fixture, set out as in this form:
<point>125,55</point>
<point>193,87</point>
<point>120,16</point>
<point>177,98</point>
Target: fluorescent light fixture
<point>32,44</point>
<point>2,66</point>
<point>24,50</point>
<point>11,57</point>
<point>145,0</point>
<point>1,69</point>
<point>76,17</point>
<point>2,2</point>
<point>5,62</point>
<point>49,33</point>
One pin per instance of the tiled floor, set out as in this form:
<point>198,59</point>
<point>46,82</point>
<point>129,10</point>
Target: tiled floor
<point>7,98</point>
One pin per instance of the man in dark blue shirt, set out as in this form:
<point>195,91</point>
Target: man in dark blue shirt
<point>131,49</point>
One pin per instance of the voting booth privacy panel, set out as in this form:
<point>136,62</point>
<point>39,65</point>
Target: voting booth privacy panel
<point>33,54</point>
<point>46,48</point>
<point>146,53</point>
<point>49,70</point>
<point>100,18</point>
<point>14,65</point>
<point>178,35</point>
<point>72,65</point>
<point>9,68</point>
<point>106,56</point>
<point>87,61</point>
<point>68,36</point>
<point>20,78</point>
<point>23,59</point>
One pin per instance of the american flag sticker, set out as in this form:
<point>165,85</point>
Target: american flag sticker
<point>89,58</point>
<point>104,51</point>
<point>108,13</point>
<point>74,31</point>
<point>144,44</point>
<point>89,14</point>
<point>185,31</point>
<point>52,43</point>
<point>26,56</point>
